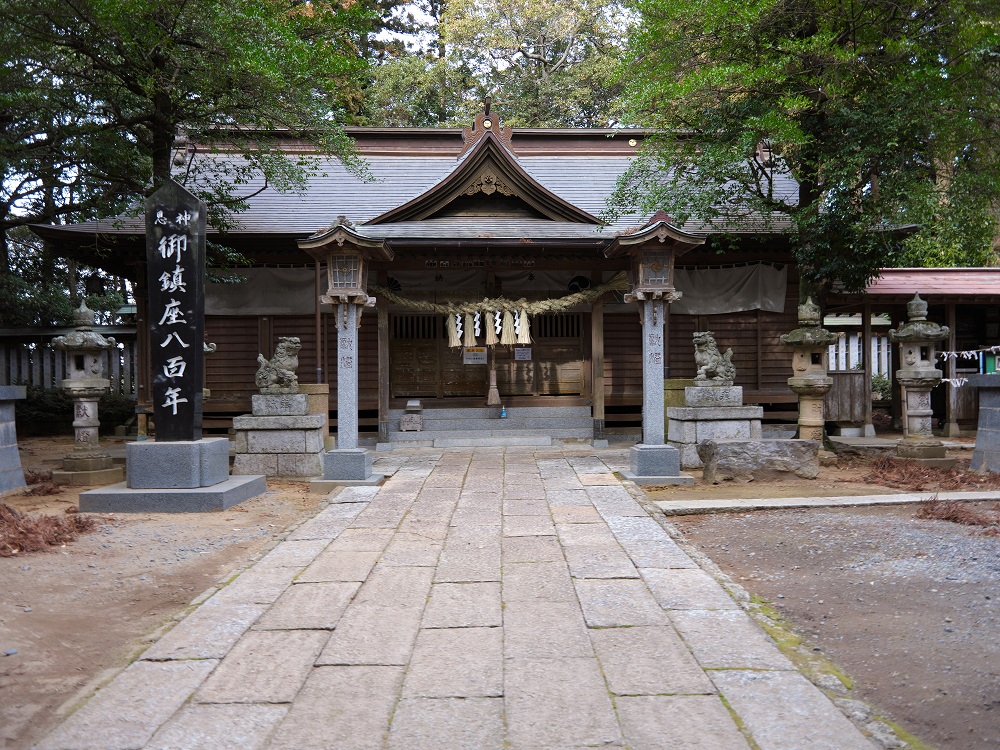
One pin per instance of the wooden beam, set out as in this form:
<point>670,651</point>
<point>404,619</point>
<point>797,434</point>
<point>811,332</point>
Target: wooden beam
<point>951,428</point>
<point>597,361</point>
<point>866,359</point>
<point>382,307</point>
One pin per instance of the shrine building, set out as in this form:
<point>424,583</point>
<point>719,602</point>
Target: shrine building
<point>483,273</point>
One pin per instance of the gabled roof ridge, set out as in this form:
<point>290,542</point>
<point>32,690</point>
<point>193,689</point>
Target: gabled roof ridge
<point>489,147</point>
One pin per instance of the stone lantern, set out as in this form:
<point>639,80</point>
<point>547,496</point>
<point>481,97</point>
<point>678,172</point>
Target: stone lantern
<point>917,339</point>
<point>810,362</point>
<point>87,381</point>
<point>347,255</point>
<point>651,251</point>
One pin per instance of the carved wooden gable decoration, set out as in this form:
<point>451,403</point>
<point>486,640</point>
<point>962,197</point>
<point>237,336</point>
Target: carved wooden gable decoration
<point>488,169</point>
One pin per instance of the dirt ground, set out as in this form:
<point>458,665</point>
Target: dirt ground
<point>77,613</point>
<point>907,608</point>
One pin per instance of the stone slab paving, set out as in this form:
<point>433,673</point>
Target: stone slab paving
<point>482,598</point>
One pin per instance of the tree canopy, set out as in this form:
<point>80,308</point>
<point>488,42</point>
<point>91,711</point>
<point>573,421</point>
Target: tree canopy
<point>546,63</point>
<point>110,97</point>
<point>887,113</point>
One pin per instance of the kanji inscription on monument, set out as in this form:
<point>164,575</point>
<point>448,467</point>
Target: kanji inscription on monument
<point>175,259</point>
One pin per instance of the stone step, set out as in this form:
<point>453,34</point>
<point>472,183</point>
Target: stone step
<point>536,423</point>
<point>492,412</point>
<point>425,435</point>
<point>492,442</point>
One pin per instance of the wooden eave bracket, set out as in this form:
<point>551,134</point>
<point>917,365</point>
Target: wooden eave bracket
<point>660,231</point>
<point>490,154</point>
<point>319,246</point>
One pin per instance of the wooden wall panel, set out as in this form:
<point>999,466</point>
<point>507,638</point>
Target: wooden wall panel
<point>622,357</point>
<point>845,401</point>
<point>304,327</point>
<point>230,370</point>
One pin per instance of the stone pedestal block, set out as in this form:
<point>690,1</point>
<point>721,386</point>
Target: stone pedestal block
<point>318,402</point>
<point>926,452</point>
<point>688,426</point>
<point>88,477</point>
<point>655,464</point>
<point>280,439</point>
<point>11,473</point>
<point>749,460</point>
<point>986,457</point>
<point>176,464</point>
<point>346,466</point>
<point>284,405</point>
<point>349,463</point>
<point>713,395</point>
<point>120,499</point>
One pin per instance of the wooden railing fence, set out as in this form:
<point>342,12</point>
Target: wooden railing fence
<point>35,362</point>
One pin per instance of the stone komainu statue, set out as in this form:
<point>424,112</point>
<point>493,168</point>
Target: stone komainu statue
<point>278,375</point>
<point>711,365</point>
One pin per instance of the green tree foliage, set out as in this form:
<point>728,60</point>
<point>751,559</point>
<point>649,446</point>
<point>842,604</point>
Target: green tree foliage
<point>118,95</point>
<point>885,112</point>
<point>547,63</point>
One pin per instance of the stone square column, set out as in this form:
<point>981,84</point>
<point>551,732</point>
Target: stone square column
<point>653,461</point>
<point>348,463</point>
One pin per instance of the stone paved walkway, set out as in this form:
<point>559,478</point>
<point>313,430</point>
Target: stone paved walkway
<point>482,599</point>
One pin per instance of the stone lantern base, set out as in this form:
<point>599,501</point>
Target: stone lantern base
<point>926,452</point>
<point>88,471</point>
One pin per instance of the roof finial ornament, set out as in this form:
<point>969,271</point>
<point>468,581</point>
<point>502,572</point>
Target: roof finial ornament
<point>484,124</point>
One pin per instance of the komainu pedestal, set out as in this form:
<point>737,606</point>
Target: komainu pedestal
<point>280,439</point>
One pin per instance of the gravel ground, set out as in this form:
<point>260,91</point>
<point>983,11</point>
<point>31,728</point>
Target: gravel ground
<point>907,607</point>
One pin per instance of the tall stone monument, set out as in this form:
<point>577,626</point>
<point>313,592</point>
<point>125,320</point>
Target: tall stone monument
<point>810,362</point>
<point>180,470</point>
<point>986,457</point>
<point>917,339</point>
<point>11,473</point>
<point>88,464</point>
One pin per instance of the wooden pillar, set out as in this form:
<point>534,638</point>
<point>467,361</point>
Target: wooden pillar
<point>143,387</point>
<point>597,361</point>
<point>898,421</point>
<point>951,428</point>
<point>866,359</point>
<point>319,327</point>
<point>382,307</point>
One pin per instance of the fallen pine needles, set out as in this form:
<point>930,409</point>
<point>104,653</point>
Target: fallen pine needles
<point>20,533</point>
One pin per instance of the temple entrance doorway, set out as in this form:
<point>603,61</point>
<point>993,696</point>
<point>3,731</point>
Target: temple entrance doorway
<point>422,365</point>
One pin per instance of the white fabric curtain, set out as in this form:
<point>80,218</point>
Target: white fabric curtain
<point>709,291</point>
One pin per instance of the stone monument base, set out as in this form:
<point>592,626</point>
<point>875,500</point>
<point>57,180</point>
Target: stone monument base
<point>118,498</point>
<point>174,477</point>
<point>712,413</point>
<point>281,438</point>
<point>655,464</point>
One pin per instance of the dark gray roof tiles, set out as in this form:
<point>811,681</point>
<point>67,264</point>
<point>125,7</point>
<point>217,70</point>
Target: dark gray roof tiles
<point>585,181</point>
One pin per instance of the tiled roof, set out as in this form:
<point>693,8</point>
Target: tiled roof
<point>940,282</point>
<point>583,180</point>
